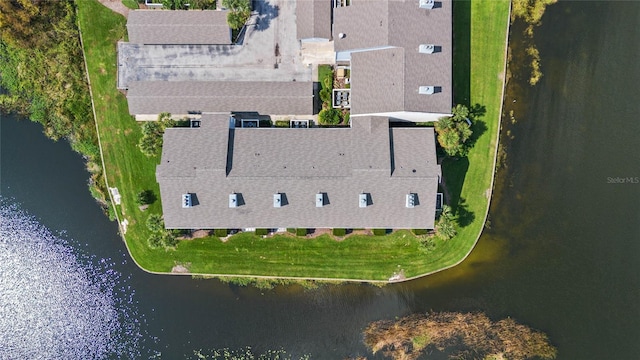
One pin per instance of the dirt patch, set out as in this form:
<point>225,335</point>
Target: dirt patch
<point>197,234</point>
<point>180,269</point>
<point>116,6</point>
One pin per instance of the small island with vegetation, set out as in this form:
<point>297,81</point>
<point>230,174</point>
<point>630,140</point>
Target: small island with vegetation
<point>124,153</point>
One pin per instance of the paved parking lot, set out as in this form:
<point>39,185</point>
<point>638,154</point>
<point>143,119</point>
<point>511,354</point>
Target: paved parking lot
<point>269,52</point>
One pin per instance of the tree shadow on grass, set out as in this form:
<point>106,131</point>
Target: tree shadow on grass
<point>463,216</point>
<point>478,126</point>
<point>454,171</point>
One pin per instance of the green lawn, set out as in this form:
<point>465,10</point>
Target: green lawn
<point>357,257</point>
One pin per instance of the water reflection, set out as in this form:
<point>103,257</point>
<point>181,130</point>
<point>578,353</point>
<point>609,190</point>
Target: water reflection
<point>56,303</point>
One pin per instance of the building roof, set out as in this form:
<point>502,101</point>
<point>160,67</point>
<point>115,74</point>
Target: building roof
<point>192,27</point>
<point>375,30</point>
<point>182,149</point>
<point>183,97</point>
<point>313,19</point>
<point>346,166</point>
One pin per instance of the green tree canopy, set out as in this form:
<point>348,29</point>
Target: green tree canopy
<point>239,12</point>
<point>454,131</point>
<point>330,116</point>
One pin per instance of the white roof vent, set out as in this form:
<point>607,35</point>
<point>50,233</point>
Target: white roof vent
<point>427,4</point>
<point>319,199</point>
<point>277,200</point>
<point>426,90</point>
<point>427,48</point>
<point>233,200</point>
<point>342,35</point>
<point>411,200</point>
<point>363,200</point>
<point>186,200</point>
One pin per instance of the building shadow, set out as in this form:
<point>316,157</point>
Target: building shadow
<point>462,52</point>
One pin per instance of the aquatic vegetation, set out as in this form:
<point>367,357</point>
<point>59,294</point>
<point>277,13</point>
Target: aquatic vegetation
<point>531,11</point>
<point>56,302</point>
<point>245,354</point>
<point>467,335</point>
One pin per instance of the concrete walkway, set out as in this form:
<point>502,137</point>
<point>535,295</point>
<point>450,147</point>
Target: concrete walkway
<point>116,6</point>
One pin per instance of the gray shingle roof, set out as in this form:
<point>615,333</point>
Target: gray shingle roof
<point>400,24</point>
<point>182,97</point>
<point>313,19</point>
<point>257,177</point>
<point>178,27</point>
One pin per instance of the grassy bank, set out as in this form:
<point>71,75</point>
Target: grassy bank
<point>42,70</point>
<point>357,257</point>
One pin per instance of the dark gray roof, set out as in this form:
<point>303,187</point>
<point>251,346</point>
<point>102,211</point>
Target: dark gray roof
<point>182,97</point>
<point>313,19</point>
<point>379,25</point>
<point>182,150</point>
<point>178,27</point>
<point>346,165</point>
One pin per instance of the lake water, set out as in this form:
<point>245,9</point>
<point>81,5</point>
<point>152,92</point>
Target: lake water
<point>562,253</point>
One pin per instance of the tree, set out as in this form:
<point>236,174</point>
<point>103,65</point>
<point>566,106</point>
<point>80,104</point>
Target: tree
<point>454,131</point>
<point>155,223</point>
<point>151,142</point>
<point>460,112</point>
<point>330,116</point>
<point>239,12</point>
<point>145,197</point>
<point>445,228</point>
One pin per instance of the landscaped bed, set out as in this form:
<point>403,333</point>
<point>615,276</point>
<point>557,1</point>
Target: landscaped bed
<point>357,257</point>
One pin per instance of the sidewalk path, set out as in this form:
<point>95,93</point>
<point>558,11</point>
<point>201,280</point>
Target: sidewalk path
<point>117,6</point>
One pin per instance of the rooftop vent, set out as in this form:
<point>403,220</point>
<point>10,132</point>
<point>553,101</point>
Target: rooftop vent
<point>186,200</point>
<point>319,199</point>
<point>277,200</point>
<point>427,4</point>
<point>233,200</point>
<point>411,200</point>
<point>363,200</point>
<point>426,90</point>
<point>427,48</point>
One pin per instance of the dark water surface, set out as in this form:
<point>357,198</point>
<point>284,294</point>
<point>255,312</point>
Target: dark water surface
<point>562,254</point>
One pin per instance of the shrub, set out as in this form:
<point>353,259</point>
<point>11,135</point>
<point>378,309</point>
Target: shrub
<point>420,231</point>
<point>262,232</point>
<point>379,232</point>
<point>330,116</point>
<point>325,96</point>
<point>155,241</point>
<point>145,197</point>
<point>301,232</point>
<point>291,230</point>
<point>444,227</point>
<point>169,241</point>
<point>220,232</point>
<point>282,123</point>
<point>155,223</point>
<point>239,12</point>
<point>339,232</point>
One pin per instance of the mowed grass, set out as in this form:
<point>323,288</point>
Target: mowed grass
<point>356,257</point>
<point>126,167</point>
<point>488,25</point>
